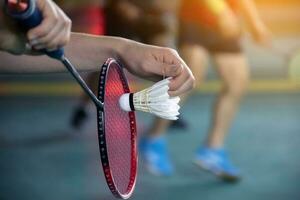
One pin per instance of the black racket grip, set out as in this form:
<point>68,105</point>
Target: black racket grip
<point>30,18</point>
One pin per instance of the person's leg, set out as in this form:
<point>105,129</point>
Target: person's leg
<point>196,58</point>
<point>233,71</point>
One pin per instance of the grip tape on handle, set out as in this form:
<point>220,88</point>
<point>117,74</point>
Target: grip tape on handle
<point>30,18</point>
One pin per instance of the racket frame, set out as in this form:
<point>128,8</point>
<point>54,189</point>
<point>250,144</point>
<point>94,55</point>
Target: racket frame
<point>101,134</point>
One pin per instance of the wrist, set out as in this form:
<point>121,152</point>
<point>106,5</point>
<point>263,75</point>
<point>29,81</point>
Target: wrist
<point>122,46</point>
<point>110,46</point>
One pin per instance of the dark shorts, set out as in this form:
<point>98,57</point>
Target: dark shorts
<point>144,30</point>
<point>208,38</point>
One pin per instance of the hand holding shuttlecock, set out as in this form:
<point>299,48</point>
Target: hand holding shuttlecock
<point>154,99</point>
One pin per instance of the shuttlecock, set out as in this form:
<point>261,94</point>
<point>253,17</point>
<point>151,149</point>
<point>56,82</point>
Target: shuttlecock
<point>155,100</point>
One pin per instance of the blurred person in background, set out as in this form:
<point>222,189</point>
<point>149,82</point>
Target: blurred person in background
<point>214,26</point>
<point>87,15</point>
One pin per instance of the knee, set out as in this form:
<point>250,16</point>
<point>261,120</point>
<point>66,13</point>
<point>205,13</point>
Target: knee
<point>238,87</point>
<point>199,79</point>
<point>196,59</point>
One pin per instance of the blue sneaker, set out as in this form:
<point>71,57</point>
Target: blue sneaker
<point>154,152</point>
<point>216,161</point>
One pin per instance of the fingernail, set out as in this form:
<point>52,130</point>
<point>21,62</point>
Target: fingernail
<point>28,47</point>
<point>39,47</point>
<point>31,36</point>
<point>33,42</point>
<point>51,49</point>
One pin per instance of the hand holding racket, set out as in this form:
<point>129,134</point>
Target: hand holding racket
<point>53,31</point>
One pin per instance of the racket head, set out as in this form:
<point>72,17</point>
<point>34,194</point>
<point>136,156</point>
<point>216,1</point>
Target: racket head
<point>116,132</point>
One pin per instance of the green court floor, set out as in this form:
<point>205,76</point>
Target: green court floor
<point>42,158</point>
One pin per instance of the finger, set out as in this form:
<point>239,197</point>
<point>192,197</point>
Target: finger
<point>28,48</point>
<point>41,31</point>
<point>67,23</point>
<point>50,16</point>
<point>166,70</point>
<point>49,37</point>
<point>172,70</point>
<point>62,35</point>
<point>177,81</point>
<point>187,85</point>
<point>58,41</point>
<point>39,47</point>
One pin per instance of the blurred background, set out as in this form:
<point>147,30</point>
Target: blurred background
<point>43,157</point>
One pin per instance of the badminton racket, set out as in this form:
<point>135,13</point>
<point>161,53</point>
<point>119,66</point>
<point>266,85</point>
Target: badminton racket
<point>116,128</point>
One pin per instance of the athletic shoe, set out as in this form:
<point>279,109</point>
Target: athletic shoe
<point>179,124</point>
<point>79,117</point>
<point>217,162</point>
<point>154,152</point>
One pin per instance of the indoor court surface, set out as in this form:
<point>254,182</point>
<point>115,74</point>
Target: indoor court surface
<point>41,157</point>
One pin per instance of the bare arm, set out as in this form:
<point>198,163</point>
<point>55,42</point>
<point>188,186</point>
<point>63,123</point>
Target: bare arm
<point>257,27</point>
<point>86,52</point>
<point>250,13</point>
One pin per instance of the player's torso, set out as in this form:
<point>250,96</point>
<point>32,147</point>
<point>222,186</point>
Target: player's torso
<point>204,11</point>
<point>87,15</point>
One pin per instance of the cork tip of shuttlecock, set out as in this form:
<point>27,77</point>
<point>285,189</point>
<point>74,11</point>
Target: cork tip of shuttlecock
<point>124,102</point>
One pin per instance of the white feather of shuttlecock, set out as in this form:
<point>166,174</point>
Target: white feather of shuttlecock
<point>156,100</point>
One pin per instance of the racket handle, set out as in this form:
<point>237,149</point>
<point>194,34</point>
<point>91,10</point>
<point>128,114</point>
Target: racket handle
<point>29,17</point>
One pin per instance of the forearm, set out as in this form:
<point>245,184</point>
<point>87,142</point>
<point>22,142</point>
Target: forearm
<point>86,52</point>
<point>250,13</point>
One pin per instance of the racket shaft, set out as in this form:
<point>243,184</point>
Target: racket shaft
<point>81,82</point>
